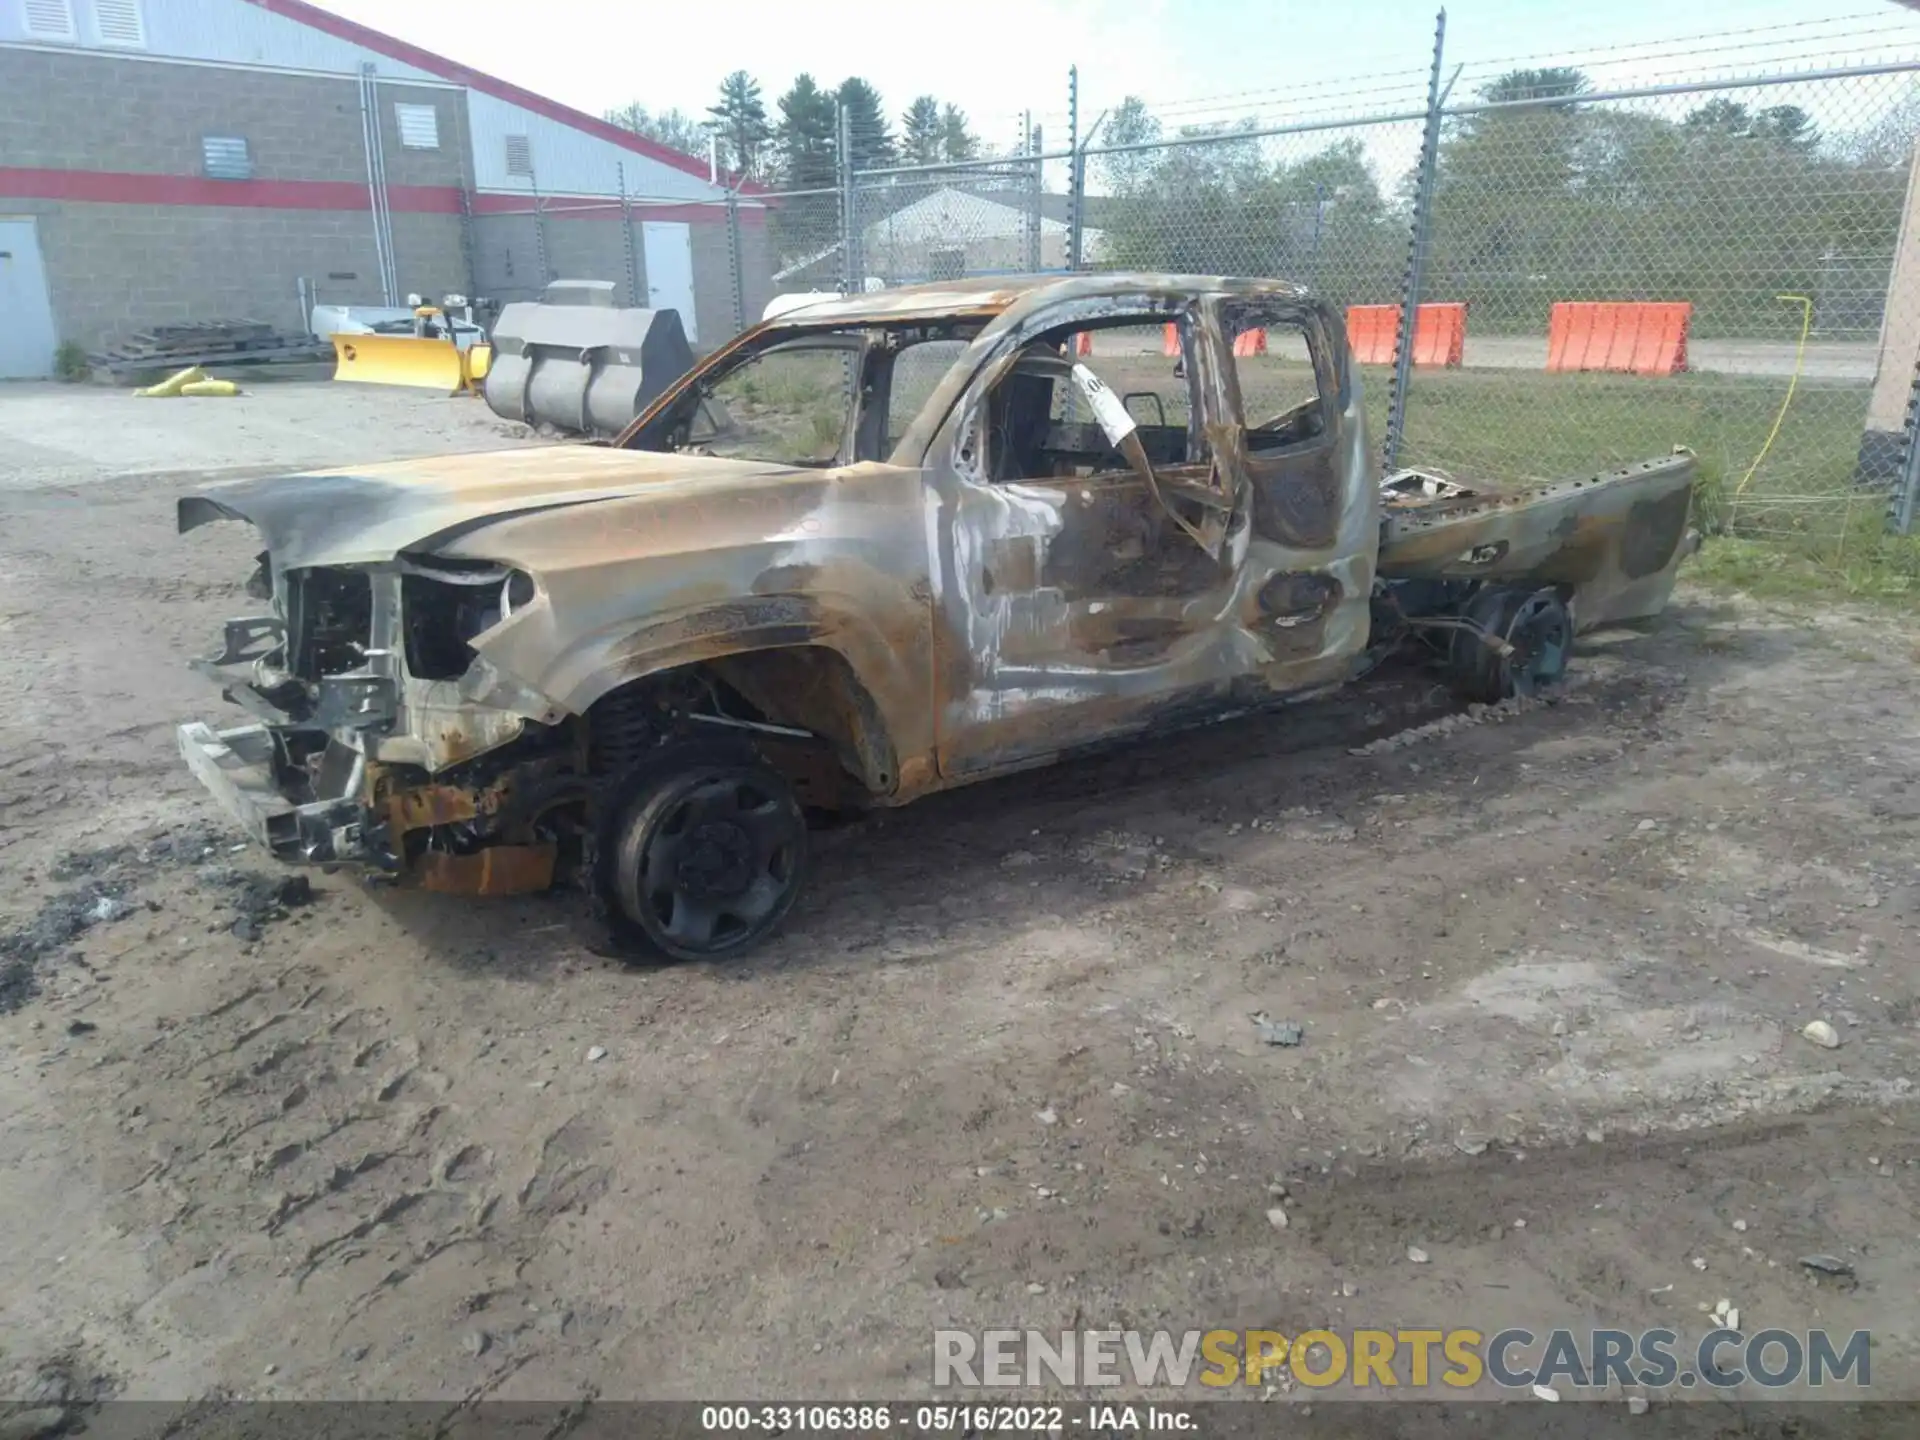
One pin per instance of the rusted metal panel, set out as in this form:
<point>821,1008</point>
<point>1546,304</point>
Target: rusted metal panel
<point>431,805</point>
<point>1613,541</point>
<point>497,870</point>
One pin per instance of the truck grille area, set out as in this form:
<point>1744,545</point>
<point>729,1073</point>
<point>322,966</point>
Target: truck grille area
<point>329,621</point>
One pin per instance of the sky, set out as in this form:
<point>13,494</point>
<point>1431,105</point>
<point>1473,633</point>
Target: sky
<point>1193,60</point>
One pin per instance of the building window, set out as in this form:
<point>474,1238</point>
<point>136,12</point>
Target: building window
<point>419,126</point>
<point>119,23</point>
<point>225,157</point>
<point>48,19</point>
<point>519,156</point>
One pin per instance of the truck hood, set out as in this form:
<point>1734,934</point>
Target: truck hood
<point>367,514</point>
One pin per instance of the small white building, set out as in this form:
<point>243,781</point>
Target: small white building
<point>951,232</point>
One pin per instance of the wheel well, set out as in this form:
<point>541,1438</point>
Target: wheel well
<point>844,756</point>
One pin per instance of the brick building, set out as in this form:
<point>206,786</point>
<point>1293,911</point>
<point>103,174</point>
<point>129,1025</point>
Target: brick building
<point>166,160</point>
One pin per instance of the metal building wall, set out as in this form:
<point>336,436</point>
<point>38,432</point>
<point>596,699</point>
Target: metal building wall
<point>567,161</point>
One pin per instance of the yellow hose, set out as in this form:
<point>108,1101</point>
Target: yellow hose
<point>1799,355</point>
<point>173,384</point>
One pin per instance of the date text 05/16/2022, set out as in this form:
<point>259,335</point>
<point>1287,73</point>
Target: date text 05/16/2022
<point>941,1419</point>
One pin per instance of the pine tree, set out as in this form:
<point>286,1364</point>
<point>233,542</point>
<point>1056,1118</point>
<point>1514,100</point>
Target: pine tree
<point>741,119</point>
<point>957,142</point>
<point>805,136</point>
<point>922,136</point>
<point>805,226</point>
<point>869,136</point>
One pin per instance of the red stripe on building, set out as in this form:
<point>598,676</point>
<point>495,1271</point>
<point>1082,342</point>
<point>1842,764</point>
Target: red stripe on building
<point>110,187</point>
<point>341,28</point>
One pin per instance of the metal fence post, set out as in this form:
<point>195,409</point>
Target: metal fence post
<point>540,235</point>
<point>626,238</point>
<point>1036,215</point>
<point>850,280</point>
<point>1416,255</point>
<point>735,269</point>
<point>1076,174</point>
<point>469,244</point>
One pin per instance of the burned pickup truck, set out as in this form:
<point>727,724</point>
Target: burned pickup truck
<point>877,547</point>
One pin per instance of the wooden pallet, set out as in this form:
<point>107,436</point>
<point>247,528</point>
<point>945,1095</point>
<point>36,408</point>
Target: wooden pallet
<point>184,343</point>
<point>120,368</point>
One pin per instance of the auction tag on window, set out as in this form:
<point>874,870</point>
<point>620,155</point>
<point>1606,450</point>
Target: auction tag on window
<point>1111,414</point>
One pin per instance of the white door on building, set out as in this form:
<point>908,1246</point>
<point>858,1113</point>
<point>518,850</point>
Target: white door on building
<point>26,315</point>
<point>669,257</point>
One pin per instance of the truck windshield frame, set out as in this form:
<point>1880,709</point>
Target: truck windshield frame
<point>775,397</point>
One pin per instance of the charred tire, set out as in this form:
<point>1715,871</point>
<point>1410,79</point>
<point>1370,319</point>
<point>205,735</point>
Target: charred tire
<point>1538,627</point>
<point>700,852</point>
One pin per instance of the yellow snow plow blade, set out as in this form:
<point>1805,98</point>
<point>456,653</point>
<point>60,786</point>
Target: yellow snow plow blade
<point>422,362</point>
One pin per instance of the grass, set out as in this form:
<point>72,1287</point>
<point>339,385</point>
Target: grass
<point>789,382</point>
<point>70,361</point>
<point>1878,568</point>
<point>1793,525</point>
<point>789,407</point>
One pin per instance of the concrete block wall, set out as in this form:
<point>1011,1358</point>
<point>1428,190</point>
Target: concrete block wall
<point>712,281</point>
<point>153,242</point>
<point>88,111</point>
<point>428,259</point>
<point>589,247</point>
<point>756,268</point>
<point>506,258</point>
<point>115,267</point>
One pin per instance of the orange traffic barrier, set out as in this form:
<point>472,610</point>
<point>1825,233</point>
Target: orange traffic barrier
<point>1247,342</point>
<point>1371,330</point>
<point>1439,333</point>
<point>1639,337</point>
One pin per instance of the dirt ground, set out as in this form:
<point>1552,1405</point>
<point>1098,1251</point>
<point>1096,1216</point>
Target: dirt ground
<point>1550,970</point>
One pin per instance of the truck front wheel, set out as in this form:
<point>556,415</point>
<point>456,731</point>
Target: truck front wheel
<point>700,852</point>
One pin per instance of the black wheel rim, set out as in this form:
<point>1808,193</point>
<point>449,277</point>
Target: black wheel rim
<point>718,864</point>
<point>1541,635</point>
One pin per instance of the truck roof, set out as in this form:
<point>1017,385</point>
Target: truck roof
<point>987,295</point>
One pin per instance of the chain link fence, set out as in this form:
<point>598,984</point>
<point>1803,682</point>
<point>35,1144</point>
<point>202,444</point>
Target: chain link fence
<point>1771,212</point>
<point>1763,215</point>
